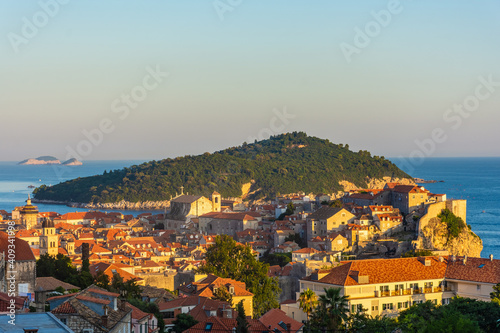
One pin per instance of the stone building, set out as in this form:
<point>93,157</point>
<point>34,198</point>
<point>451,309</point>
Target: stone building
<point>22,268</point>
<point>93,310</point>
<point>28,214</point>
<point>226,223</point>
<point>49,239</point>
<point>327,219</point>
<point>186,206</point>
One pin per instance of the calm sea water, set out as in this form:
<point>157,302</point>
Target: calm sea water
<point>15,179</point>
<point>475,179</point>
<point>478,181</point>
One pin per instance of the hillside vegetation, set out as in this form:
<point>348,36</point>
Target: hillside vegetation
<point>284,163</point>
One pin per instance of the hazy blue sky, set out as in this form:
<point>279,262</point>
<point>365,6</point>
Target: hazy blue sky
<point>233,65</point>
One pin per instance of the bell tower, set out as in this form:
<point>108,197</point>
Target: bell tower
<point>29,214</point>
<point>49,240</point>
<point>216,202</point>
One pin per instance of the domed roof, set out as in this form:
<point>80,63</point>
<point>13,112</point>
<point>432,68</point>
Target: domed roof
<point>29,208</point>
<point>47,223</point>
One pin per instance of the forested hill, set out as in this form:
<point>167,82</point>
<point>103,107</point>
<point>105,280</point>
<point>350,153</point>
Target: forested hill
<point>284,163</point>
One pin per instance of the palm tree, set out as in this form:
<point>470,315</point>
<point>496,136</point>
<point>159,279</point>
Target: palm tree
<point>308,301</point>
<point>333,308</point>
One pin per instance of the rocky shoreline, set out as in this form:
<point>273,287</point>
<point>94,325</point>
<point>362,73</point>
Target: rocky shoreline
<point>121,205</point>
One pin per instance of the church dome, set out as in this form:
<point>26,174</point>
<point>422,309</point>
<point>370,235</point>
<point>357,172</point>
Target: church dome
<point>47,223</point>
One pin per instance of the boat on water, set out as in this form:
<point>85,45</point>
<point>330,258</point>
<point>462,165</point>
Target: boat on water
<point>31,186</point>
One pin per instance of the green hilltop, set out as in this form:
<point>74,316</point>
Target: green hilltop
<point>284,163</point>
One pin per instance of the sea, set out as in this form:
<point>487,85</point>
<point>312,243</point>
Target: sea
<point>475,179</point>
<point>16,180</point>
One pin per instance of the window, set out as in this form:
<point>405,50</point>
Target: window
<point>282,325</point>
<point>387,306</point>
<point>168,314</point>
<point>63,320</point>
<point>478,287</point>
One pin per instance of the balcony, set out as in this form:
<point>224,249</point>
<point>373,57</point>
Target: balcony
<point>404,292</point>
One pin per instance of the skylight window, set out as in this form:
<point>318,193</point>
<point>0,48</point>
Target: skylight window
<point>208,326</point>
<point>481,266</point>
<point>282,324</point>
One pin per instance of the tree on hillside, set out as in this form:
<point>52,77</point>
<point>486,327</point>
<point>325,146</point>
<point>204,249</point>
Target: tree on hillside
<point>227,259</point>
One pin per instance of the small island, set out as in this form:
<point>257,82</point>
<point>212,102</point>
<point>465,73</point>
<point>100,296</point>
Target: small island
<point>45,160</point>
<point>72,161</point>
<point>42,160</point>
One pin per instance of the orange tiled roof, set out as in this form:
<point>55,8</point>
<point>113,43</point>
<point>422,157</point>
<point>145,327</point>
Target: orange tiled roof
<point>475,269</point>
<point>385,271</point>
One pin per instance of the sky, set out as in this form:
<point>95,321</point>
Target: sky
<point>104,80</point>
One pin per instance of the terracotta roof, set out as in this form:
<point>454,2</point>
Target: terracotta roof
<point>92,299</point>
<point>385,271</point>
<point>306,250</point>
<point>228,216</point>
<point>225,325</point>
<point>64,308</point>
<point>28,233</point>
<point>137,313</point>
<point>74,305</point>
<point>51,283</point>
<point>475,269</point>
<point>23,250</point>
<point>408,189</point>
<point>277,319</point>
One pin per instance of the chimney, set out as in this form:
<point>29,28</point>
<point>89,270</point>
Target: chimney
<point>491,257</point>
<point>465,260</point>
<point>288,327</point>
<point>104,321</point>
<point>85,251</point>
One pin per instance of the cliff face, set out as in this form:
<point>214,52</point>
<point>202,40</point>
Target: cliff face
<point>435,236</point>
<point>375,183</point>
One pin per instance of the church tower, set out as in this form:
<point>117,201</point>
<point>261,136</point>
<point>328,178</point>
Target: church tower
<point>216,202</point>
<point>29,214</point>
<point>48,241</point>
